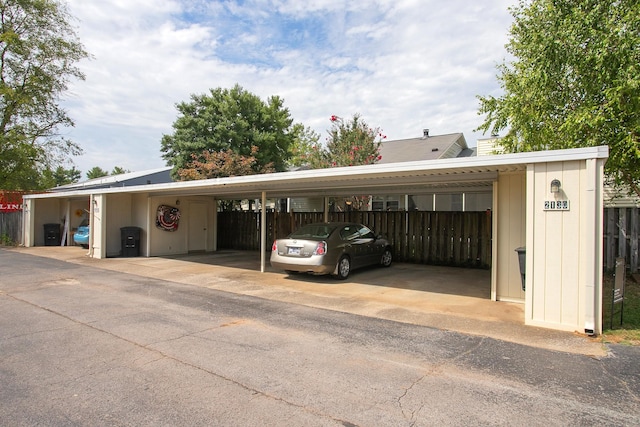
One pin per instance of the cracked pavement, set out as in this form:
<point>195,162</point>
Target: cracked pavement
<point>84,346</point>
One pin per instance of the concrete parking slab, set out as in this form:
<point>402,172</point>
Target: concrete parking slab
<point>448,298</point>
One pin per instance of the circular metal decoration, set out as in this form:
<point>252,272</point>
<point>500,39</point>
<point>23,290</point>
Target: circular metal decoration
<point>167,218</point>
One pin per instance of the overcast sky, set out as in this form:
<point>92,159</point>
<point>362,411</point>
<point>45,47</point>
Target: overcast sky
<point>403,65</point>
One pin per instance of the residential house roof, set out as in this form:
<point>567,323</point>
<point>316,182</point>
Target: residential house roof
<point>425,148</point>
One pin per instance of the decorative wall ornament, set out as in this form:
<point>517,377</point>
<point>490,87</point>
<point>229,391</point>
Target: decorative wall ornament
<point>167,218</point>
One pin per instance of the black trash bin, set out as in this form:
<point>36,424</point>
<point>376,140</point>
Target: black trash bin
<point>521,259</point>
<point>52,234</point>
<point>130,237</point>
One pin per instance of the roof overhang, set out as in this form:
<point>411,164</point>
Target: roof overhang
<point>390,178</point>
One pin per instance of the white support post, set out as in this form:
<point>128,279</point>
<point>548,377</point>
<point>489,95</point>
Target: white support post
<point>593,245</point>
<point>92,223</point>
<point>263,232</point>
<point>494,238</point>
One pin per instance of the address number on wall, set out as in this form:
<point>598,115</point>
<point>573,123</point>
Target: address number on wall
<point>556,205</point>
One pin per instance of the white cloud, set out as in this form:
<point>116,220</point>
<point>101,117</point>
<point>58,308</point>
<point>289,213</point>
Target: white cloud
<point>402,65</point>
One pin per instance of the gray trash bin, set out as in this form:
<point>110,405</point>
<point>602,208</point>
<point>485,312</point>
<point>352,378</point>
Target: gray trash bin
<point>521,259</point>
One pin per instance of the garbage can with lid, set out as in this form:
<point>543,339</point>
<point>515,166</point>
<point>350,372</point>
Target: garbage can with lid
<point>130,239</point>
<point>521,259</point>
<point>52,234</point>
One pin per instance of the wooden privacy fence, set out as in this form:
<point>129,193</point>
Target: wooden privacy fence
<point>621,228</point>
<point>10,228</point>
<point>439,238</point>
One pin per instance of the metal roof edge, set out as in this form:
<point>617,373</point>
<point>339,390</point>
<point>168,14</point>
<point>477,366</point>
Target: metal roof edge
<point>486,162</point>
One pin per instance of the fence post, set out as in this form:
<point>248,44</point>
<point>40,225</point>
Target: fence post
<point>633,241</point>
<point>610,239</point>
<point>622,233</point>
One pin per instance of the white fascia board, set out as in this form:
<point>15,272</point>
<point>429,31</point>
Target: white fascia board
<point>463,164</point>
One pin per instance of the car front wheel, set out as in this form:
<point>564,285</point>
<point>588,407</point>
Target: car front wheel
<point>344,267</point>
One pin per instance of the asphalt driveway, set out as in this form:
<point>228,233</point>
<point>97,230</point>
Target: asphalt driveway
<point>446,298</point>
<point>85,345</point>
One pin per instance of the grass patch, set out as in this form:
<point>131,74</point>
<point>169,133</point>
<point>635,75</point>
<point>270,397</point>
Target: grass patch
<point>629,331</point>
<point>5,240</point>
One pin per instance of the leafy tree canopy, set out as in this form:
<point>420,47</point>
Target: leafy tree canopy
<point>38,53</point>
<point>230,119</point>
<point>118,170</point>
<point>574,81</point>
<point>220,164</point>
<point>96,172</point>
<point>303,145</point>
<point>350,143</point>
<point>61,176</point>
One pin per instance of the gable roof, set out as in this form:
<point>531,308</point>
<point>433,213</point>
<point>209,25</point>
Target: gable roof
<point>424,148</point>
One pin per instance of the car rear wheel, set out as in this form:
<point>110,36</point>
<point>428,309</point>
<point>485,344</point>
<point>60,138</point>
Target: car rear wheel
<point>387,258</point>
<point>344,268</point>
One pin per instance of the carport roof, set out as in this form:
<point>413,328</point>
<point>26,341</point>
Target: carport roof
<point>404,177</point>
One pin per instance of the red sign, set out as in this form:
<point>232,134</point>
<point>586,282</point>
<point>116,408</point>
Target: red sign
<point>11,201</point>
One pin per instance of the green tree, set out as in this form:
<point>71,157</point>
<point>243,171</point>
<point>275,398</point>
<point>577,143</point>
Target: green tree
<point>64,176</point>
<point>97,172</point>
<point>574,82</point>
<point>38,53</point>
<point>118,170</point>
<point>220,164</point>
<point>303,145</point>
<point>349,143</point>
<point>230,119</point>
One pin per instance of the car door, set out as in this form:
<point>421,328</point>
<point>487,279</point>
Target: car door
<point>367,246</point>
<point>349,235</point>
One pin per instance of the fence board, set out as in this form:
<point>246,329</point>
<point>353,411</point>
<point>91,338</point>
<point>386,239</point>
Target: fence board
<point>445,238</point>
<point>10,227</point>
<point>621,237</point>
<point>633,236</point>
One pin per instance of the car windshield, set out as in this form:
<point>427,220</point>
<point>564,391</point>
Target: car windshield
<point>313,231</point>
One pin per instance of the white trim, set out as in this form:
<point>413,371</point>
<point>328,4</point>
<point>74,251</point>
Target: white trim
<point>465,169</point>
<point>495,213</point>
<point>529,240</point>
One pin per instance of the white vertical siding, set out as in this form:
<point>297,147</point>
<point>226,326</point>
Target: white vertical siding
<point>488,147</point>
<point>119,212</point>
<point>558,246</point>
<point>510,234</point>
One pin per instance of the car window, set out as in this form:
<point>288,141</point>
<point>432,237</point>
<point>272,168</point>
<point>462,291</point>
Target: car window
<point>365,233</point>
<point>315,231</point>
<point>349,232</point>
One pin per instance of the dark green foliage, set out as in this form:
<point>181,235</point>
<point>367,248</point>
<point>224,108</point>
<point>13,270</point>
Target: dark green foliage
<point>230,119</point>
<point>574,81</point>
<point>38,50</point>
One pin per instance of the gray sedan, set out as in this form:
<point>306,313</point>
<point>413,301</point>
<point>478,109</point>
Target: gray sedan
<point>330,248</point>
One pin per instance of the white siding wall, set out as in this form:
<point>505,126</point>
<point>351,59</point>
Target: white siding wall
<point>39,213</point>
<point>119,213</point>
<point>509,228</point>
<point>487,147</point>
<point>98,234</point>
<point>619,198</point>
<point>305,204</point>
<point>562,253</point>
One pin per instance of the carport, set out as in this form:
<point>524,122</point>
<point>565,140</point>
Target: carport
<point>561,230</point>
